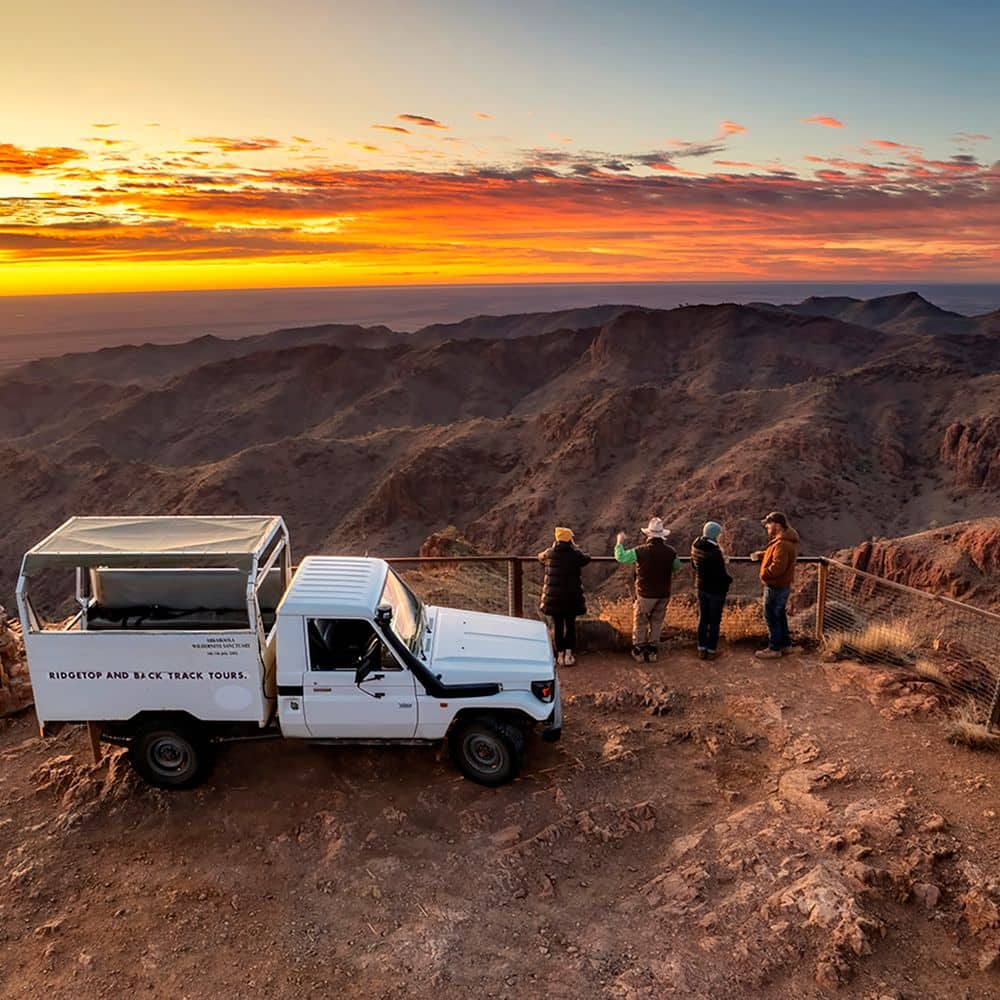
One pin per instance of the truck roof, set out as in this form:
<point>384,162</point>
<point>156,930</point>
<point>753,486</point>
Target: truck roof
<point>335,587</point>
<point>155,541</point>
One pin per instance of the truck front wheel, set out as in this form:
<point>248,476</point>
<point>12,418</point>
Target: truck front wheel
<point>170,755</point>
<point>487,750</point>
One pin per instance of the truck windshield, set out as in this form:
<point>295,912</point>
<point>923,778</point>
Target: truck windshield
<point>407,611</point>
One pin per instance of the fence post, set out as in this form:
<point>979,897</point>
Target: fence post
<point>515,588</point>
<point>821,600</point>
<point>994,716</point>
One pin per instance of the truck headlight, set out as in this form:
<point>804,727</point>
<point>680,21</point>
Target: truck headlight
<point>543,690</point>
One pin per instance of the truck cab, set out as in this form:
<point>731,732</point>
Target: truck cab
<point>361,658</point>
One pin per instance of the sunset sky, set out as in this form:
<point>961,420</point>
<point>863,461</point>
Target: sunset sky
<point>301,143</point>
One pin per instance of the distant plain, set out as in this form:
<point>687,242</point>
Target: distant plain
<point>49,325</point>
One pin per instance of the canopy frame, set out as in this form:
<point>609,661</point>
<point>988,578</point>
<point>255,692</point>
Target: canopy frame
<point>170,542</point>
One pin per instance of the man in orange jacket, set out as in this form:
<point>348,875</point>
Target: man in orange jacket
<point>777,571</point>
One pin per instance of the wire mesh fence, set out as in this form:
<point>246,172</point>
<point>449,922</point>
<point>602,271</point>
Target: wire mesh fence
<point>953,645</point>
<point>742,619</point>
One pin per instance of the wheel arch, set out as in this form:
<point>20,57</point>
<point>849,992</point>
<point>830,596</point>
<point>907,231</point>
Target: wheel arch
<point>128,728</point>
<point>514,716</point>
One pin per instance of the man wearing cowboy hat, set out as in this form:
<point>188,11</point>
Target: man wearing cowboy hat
<point>655,565</point>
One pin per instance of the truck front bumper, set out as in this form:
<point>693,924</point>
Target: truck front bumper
<point>552,729</point>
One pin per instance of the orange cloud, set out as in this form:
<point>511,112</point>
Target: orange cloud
<point>825,120</point>
<point>886,144</point>
<point>236,145</point>
<point>421,120</point>
<point>547,215</point>
<point>104,125</point>
<point>483,114</point>
<point>393,128</point>
<point>957,164</point>
<point>15,160</point>
<point>732,163</point>
<point>731,128</point>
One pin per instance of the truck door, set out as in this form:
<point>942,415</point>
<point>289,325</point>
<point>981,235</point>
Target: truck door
<point>383,706</point>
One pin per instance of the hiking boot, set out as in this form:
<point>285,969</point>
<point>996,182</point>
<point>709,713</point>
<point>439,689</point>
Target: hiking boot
<point>768,654</point>
<point>568,658</point>
<point>650,653</point>
<point>560,659</point>
<point>702,654</point>
<point>712,653</point>
<point>637,654</point>
<point>792,651</point>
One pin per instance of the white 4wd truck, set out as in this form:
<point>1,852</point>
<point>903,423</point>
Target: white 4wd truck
<point>192,630</point>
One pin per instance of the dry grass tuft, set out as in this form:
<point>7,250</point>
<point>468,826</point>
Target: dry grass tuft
<point>618,614</point>
<point>894,642</point>
<point>928,670</point>
<point>741,619</point>
<point>965,730</point>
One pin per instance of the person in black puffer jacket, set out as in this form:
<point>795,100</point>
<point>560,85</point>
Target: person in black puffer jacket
<point>712,581</point>
<point>562,592</point>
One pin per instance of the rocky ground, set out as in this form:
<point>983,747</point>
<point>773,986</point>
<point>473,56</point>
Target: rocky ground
<point>730,829</point>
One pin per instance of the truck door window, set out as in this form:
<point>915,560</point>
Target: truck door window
<point>344,643</point>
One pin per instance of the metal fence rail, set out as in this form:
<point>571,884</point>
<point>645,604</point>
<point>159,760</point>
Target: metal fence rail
<point>523,571</point>
<point>852,614</point>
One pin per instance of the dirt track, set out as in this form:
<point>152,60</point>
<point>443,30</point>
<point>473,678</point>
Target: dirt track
<point>704,830</point>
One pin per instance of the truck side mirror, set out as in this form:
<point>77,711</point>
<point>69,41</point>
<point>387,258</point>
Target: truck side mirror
<point>383,615</point>
<point>369,660</point>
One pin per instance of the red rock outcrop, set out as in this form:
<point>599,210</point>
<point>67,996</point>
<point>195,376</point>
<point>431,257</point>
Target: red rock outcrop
<point>960,561</point>
<point>972,451</point>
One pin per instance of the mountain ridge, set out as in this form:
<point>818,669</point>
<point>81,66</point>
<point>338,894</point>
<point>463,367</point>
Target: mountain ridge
<point>701,412</point>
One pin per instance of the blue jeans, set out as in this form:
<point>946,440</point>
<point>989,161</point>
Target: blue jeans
<point>775,602</point>
<point>709,619</point>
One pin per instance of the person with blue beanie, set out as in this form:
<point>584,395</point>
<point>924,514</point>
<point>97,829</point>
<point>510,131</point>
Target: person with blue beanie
<point>712,581</point>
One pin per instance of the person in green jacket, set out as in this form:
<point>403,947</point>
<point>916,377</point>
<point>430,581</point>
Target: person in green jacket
<point>655,564</point>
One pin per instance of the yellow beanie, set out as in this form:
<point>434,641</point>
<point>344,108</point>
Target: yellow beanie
<point>564,535</point>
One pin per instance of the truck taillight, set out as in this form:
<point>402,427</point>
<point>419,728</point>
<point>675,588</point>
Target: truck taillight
<point>543,690</point>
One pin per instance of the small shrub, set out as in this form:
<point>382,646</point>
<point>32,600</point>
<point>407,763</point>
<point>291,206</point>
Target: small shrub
<point>966,730</point>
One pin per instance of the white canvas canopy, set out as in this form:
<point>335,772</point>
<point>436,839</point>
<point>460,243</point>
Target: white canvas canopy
<point>153,542</point>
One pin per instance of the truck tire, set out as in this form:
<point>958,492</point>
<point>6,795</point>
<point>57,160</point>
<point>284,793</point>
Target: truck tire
<point>487,751</point>
<point>170,755</point>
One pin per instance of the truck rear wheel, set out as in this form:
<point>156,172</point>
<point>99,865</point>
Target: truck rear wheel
<point>170,755</point>
<point>487,750</point>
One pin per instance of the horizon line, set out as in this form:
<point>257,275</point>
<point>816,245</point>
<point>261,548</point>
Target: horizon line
<point>910,282</point>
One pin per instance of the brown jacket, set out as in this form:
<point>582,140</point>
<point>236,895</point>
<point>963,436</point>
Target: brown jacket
<point>777,567</point>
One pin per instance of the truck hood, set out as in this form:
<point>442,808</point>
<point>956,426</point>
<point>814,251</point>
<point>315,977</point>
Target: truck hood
<point>468,647</point>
